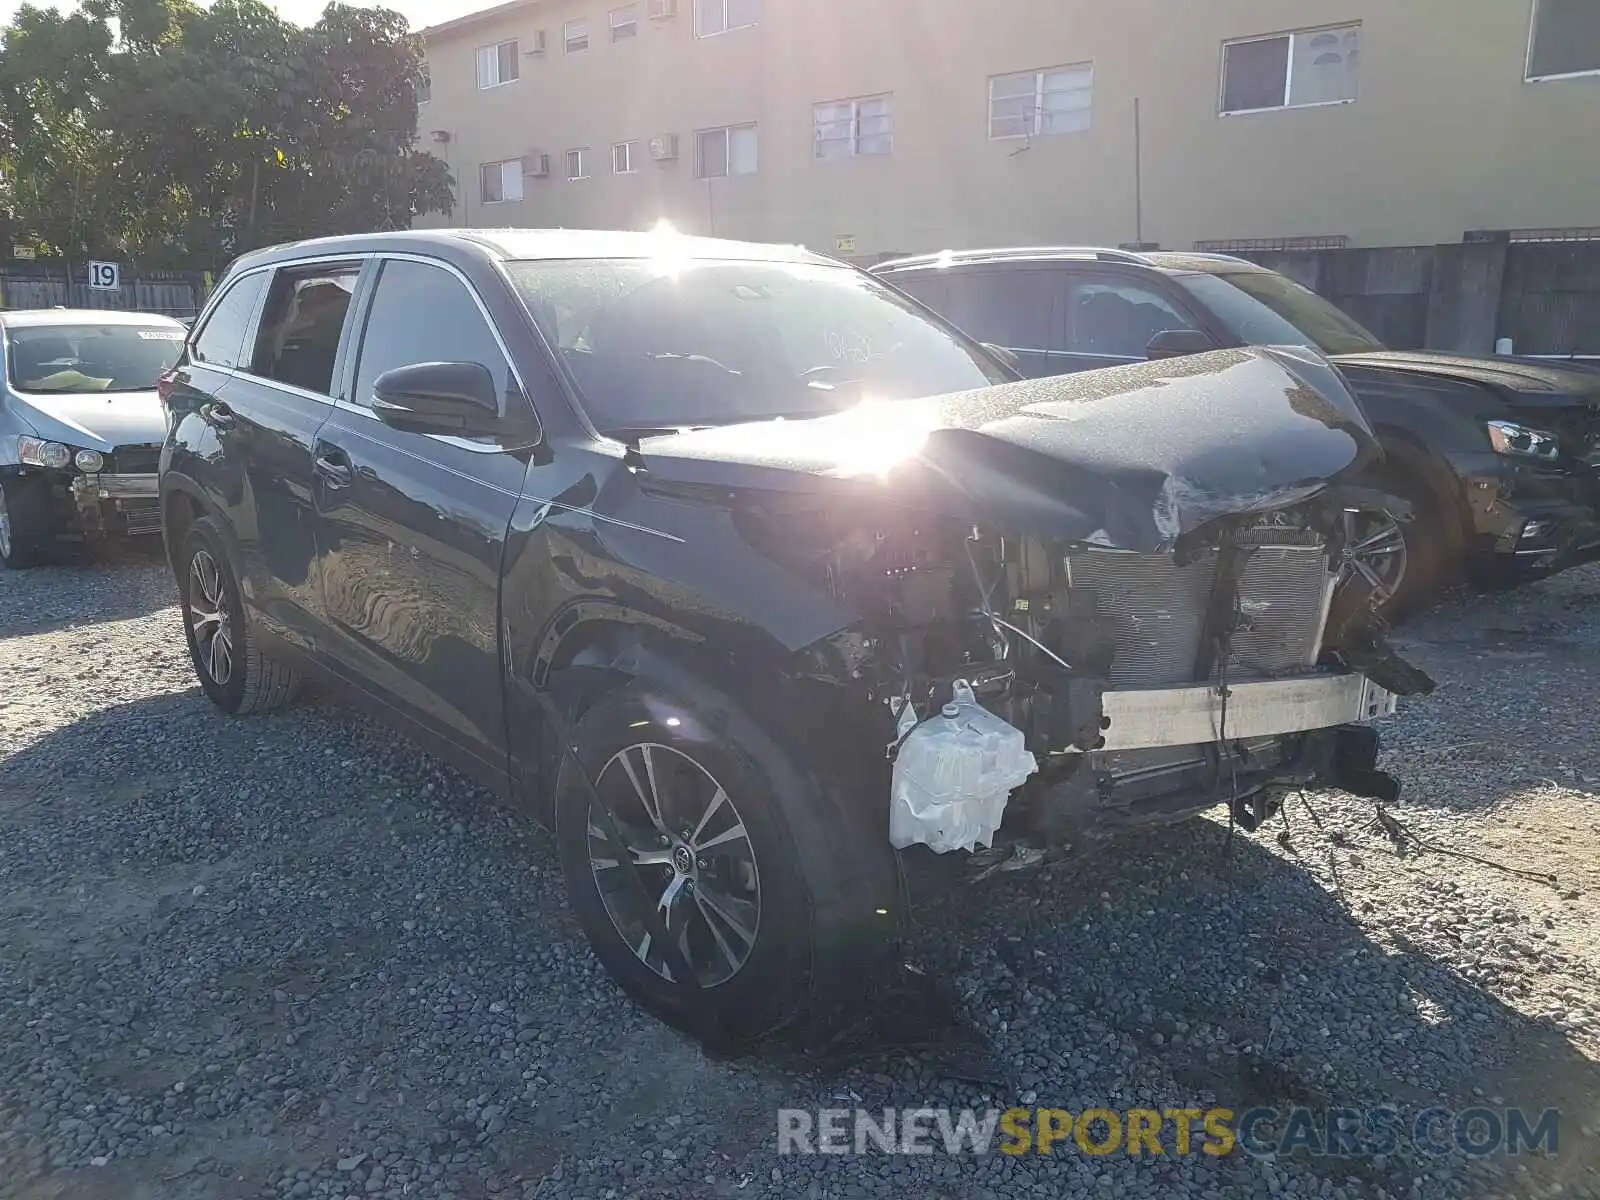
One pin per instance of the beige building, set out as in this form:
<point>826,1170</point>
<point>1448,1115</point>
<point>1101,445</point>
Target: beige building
<point>869,126</point>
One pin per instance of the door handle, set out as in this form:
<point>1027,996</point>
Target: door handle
<point>333,464</point>
<point>217,414</point>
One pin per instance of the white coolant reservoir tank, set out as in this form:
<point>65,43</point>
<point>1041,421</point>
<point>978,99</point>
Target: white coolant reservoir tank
<point>953,774</point>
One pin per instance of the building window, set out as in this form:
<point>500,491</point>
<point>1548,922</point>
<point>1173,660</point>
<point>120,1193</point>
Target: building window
<point>577,35</point>
<point>729,151</point>
<point>625,158</point>
<point>424,85</point>
<point>846,128</point>
<point>578,163</point>
<point>1040,103</point>
<point>500,181</point>
<point>1565,39</point>
<point>1291,70</point>
<point>712,17</point>
<point>624,22</point>
<point>497,64</point>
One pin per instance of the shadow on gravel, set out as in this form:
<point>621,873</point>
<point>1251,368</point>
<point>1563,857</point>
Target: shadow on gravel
<point>115,583</point>
<point>333,939</point>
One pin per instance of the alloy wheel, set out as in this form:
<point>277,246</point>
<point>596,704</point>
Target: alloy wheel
<point>689,846</point>
<point>5,526</point>
<point>1375,549</point>
<point>209,618</point>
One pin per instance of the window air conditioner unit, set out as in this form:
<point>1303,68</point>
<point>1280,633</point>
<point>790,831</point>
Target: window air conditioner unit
<point>537,45</point>
<point>536,166</point>
<point>664,147</point>
<point>659,10</point>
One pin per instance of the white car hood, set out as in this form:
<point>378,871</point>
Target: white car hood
<point>93,420</point>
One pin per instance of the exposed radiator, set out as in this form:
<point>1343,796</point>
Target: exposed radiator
<point>1158,609</point>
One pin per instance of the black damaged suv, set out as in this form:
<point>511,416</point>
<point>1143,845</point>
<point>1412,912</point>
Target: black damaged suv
<point>1493,461</point>
<point>747,573</point>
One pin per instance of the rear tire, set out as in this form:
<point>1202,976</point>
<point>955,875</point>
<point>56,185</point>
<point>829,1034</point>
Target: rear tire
<point>22,522</point>
<point>755,865</point>
<point>234,674</point>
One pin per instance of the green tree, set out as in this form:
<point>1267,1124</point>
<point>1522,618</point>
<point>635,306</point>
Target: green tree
<point>191,134</point>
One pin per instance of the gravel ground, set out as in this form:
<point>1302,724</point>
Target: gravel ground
<point>291,956</point>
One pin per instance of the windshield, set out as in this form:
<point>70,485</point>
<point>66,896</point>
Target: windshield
<point>90,358</point>
<point>658,344</point>
<point>1261,308</point>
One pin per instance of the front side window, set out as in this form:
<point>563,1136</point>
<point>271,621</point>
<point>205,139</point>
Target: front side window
<point>422,313</point>
<point>578,163</point>
<point>1041,103</point>
<point>728,151</point>
<point>498,64</point>
<point>624,22</point>
<point>1116,318</point>
<point>90,358</point>
<point>577,35</point>
<point>1291,70</point>
<point>1263,308</point>
<point>846,128</point>
<point>1565,39</point>
<point>718,16</point>
<point>500,181</point>
<point>667,343</point>
<point>301,325</point>
<point>625,158</point>
<point>220,342</point>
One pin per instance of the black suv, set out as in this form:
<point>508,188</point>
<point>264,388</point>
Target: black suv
<point>1492,461</point>
<point>746,572</point>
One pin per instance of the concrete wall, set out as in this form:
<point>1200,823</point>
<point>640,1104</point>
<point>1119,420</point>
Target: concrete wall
<point>1465,296</point>
<point>1444,136</point>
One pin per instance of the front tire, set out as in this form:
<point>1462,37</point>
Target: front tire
<point>1399,549</point>
<point>707,803</point>
<point>234,674</point>
<point>22,522</point>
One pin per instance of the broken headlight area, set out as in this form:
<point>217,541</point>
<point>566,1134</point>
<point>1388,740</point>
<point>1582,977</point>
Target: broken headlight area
<point>1035,693</point>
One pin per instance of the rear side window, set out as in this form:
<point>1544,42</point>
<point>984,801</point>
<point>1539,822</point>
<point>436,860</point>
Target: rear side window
<point>301,326</point>
<point>1015,309</point>
<point>927,287</point>
<point>221,339</point>
<point>422,313</point>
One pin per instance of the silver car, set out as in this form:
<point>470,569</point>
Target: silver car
<point>81,426</point>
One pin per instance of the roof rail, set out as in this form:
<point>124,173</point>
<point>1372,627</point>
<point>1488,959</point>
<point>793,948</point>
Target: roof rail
<point>991,254</point>
<point>1217,256</point>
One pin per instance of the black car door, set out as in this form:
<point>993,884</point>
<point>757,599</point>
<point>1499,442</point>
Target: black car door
<point>411,527</point>
<point>266,413</point>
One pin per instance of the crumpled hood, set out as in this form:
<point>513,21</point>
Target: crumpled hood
<point>1518,379</point>
<point>1129,456</point>
<point>93,420</point>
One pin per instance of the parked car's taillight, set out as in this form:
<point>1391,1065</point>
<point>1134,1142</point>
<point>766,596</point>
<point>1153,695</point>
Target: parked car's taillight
<point>164,383</point>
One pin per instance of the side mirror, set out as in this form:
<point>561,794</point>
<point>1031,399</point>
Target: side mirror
<point>1004,355</point>
<point>438,397</point>
<point>1176,343</point>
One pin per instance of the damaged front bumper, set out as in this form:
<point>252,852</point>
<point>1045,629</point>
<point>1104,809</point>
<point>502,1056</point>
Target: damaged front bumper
<point>111,505</point>
<point>1155,717</point>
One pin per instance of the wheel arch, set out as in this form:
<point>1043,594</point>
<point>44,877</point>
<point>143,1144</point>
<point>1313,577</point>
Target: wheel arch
<point>1407,457</point>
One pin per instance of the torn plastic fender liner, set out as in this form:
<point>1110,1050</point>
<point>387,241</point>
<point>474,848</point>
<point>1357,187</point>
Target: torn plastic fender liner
<point>1151,450</point>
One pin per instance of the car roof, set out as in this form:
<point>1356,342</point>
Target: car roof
<point>1160,260</point>
<point>30,317</point>
<point>524,244</point>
